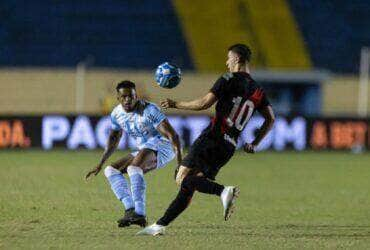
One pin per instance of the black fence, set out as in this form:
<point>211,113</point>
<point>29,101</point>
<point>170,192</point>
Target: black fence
<point>91,132</point>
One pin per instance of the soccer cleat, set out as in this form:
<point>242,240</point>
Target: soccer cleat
<point>138,219</point>
<point>153,230</point>
<point>228,196</point>
<point>125,221</point>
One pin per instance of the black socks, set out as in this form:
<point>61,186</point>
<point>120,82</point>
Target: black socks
<point>189,185</point>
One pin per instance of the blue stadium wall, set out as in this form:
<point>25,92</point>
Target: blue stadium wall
<point>143,33</point>
<point>114,33</point>
<point>334,31</point>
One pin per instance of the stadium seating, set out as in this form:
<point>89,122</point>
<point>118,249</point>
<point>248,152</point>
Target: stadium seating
<point>334,30</point>
<point>113,33</point>
<point>140,34</point>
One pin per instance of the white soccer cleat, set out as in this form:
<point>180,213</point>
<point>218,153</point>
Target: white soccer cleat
<point>228,196</point>
<point>153,230</point>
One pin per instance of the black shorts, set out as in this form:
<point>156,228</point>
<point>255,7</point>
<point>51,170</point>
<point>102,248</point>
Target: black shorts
<point>208,154</point>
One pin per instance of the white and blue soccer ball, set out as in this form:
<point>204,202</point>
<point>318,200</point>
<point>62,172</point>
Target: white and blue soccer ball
<point>167,75</point>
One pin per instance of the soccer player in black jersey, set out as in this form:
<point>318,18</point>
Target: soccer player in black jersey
<point>237,96</point>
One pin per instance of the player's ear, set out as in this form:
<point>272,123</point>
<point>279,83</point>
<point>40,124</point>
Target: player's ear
<point>238,59</point>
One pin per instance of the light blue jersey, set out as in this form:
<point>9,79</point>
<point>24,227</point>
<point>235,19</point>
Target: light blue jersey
<point>141,125</point>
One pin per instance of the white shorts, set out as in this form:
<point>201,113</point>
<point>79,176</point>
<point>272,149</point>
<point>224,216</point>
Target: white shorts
<point>164,150</point>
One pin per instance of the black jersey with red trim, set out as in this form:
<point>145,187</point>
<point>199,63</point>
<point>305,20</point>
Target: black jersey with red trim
<point>238,97</point>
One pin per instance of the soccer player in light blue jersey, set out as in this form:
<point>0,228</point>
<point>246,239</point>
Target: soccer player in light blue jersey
<point>157,144</point>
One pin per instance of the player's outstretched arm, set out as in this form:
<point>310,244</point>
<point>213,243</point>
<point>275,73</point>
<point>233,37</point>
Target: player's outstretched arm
<point>113,140</point>
<point>199,104</point>
<point>268,115</point>
<point>167,131</point>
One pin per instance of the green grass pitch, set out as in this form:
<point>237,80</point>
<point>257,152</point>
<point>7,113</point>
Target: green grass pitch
<point>287,201</point>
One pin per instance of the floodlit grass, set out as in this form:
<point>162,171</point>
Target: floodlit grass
<point>287,201</point>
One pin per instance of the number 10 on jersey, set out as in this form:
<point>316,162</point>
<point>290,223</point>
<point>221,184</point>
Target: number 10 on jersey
<point>235,117</point>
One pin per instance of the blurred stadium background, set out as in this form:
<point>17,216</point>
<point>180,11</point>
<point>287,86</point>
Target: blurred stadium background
<point>64,57</point>
<point>60,61</point>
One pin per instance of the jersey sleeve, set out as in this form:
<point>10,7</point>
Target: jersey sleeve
<point>220,87</point>
<point>259,98</point>
<point>265,101</point>
<point>114,123</point>
<point>154,114</point>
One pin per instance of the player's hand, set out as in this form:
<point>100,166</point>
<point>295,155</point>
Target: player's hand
<point>249,148</point>
<point>168,103</point>
<point>95,171</point>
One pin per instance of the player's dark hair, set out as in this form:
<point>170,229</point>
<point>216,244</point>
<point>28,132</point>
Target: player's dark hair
<point>125,84</point>
<point>243,51</point>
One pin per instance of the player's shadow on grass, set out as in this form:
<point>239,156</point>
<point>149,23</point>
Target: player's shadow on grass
<point>287,231</point>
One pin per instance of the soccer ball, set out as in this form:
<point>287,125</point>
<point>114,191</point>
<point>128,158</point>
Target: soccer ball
<point>167,75</point>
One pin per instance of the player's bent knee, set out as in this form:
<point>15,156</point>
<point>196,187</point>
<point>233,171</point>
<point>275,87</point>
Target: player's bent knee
<point>179,179</point>
<point>109,171</point>
<point>181,174</point>
<point>132,170</point>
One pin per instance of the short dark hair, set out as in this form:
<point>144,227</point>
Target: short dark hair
<point>242,50</point>
<point>125,84</point>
